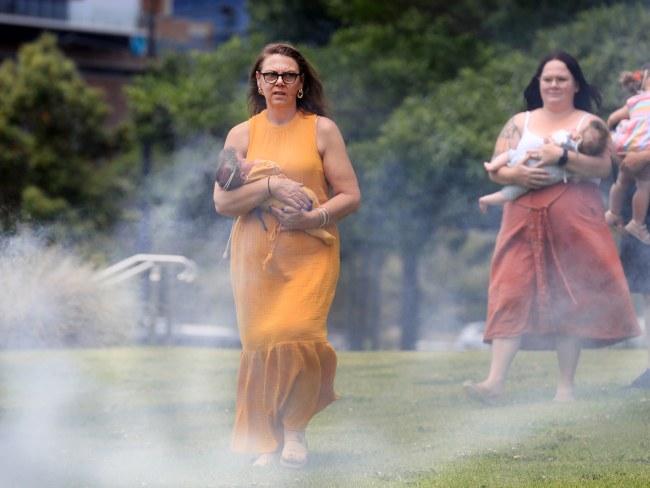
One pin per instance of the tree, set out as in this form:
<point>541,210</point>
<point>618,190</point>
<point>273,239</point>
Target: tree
<point>432,147</point>
<point>370,69</point>
<point>294,21</point>
<point>185,95</point>
<point>54,143</point>
<point>625,47</point>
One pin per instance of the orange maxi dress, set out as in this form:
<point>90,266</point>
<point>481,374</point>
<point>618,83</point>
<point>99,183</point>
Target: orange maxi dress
<point>287,365</point>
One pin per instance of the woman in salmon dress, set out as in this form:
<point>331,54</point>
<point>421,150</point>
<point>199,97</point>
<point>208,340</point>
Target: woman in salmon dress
<point>283,278</point>
<point>556,281</point>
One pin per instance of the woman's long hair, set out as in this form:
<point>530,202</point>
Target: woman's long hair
<point>582,99</point>
<point>313,100</point>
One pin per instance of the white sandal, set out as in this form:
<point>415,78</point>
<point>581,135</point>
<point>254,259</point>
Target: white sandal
<point>294,452</point>
<point>265,460</point>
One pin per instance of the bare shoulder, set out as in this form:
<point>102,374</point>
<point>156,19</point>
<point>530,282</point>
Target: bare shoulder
<point>328,135</point>
<point>588,117</point>
<point>326,127</point>
<point>518,120</point>
<point>513,127</point>
<point>238,137</point>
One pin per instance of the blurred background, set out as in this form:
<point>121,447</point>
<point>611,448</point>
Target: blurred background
<point>112,115</point>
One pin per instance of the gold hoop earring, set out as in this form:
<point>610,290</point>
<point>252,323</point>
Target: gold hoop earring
<point>300,93</point>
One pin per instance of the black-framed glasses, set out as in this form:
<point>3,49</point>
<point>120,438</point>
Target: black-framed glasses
<point>288,77</point>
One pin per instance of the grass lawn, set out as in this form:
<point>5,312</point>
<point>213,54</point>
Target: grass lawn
<point>150,417</point>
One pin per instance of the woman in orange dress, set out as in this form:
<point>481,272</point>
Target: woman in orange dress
<point>283,278</point>
<point>556,280</point>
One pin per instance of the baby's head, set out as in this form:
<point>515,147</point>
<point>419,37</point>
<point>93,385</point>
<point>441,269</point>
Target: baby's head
<point>636,81</point>
<point>593,138</point>
<point>231,170</point>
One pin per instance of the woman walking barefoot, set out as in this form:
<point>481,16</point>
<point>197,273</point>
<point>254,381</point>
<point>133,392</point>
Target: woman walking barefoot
<point>556,280</point>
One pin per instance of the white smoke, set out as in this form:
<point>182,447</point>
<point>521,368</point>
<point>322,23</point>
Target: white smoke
<point>48,298</point>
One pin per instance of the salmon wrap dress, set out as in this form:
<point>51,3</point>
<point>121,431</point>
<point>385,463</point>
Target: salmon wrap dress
<point>287,365</point>
<point>556,271</point>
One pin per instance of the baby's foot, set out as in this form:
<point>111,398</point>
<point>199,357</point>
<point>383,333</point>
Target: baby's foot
<point>613,220</point>
<point>482,205</point>
<point>489,166</point>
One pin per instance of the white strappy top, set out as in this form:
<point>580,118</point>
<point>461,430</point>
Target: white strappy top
<point>530,140</point>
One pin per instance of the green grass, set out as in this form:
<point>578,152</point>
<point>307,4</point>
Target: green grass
<point>161,417</point>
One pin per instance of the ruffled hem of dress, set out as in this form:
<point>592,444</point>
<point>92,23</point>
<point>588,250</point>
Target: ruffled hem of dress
<point>281,386</point>
<point>547,342</point>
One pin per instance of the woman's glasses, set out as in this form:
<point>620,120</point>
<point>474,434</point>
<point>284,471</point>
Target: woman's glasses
<point>272,77</point>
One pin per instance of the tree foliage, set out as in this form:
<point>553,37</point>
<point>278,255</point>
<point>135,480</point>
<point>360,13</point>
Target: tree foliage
<point>295,21</point>
<point>54,145</point>
<point>626,46</point>
<point>369,69</point>
<point>185,95</point>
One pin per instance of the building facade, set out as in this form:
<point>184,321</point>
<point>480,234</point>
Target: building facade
<point>110,40</point>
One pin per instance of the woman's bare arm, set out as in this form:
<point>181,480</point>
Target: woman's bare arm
<point>339,173</point>
<point>577,163</point>
<point>519,174</point>
<point>338,170</point>
<point>618,115</point>
<point>242,200</point>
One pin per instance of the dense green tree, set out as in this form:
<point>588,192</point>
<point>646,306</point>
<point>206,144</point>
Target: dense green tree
<point>625,46</point>
<point>432,150</point>
<point>369,69</point>
<point>54,144</point>
<point>518,23</point>
<point>296,21</point>
<point>189,94</point>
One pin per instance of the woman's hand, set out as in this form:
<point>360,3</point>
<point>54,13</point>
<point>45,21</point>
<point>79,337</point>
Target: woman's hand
<point>547,155</point>
<point>529,176</point>
<point>289,192</point>
<point>292,219</point>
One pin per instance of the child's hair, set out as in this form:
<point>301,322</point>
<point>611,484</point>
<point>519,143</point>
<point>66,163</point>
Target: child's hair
<point>595,137</point>
<point>634,81</point>
<point>228,174</point>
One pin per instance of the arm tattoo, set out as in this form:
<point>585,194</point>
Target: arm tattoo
<point>509,137</point>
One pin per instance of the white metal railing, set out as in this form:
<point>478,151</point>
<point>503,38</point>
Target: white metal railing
<point>139,263</point>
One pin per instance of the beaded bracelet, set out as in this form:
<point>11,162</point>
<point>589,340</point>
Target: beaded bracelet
<point>324,216</point>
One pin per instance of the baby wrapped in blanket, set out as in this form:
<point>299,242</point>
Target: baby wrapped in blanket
<point>233,172</point>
